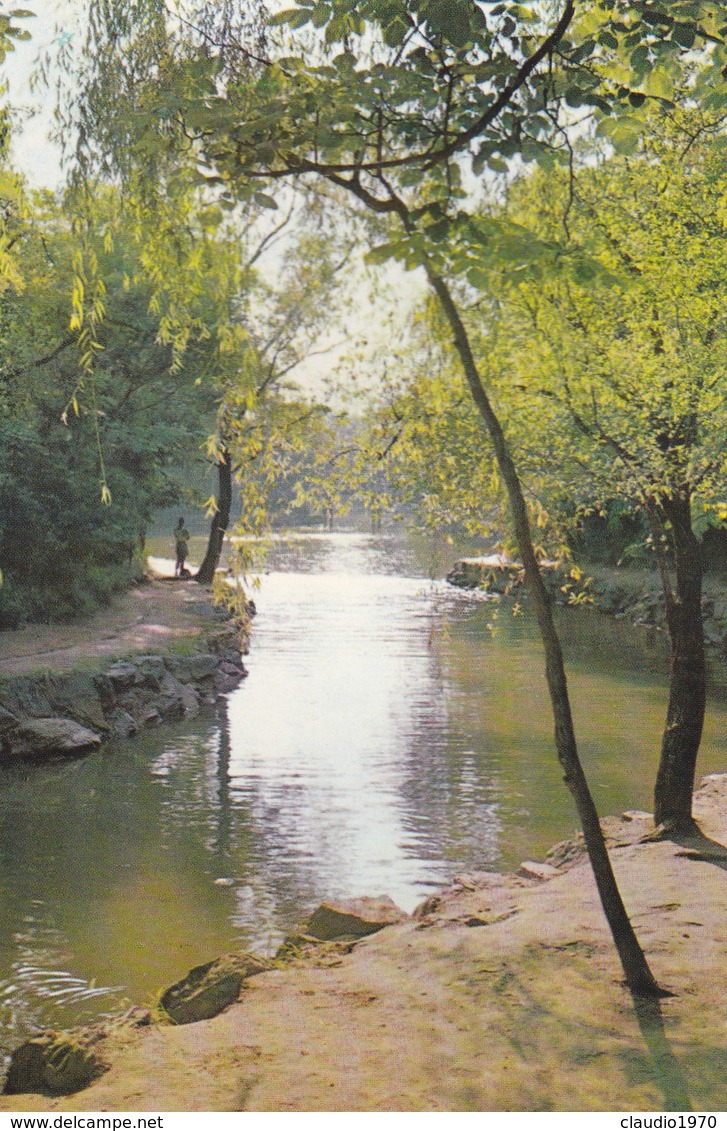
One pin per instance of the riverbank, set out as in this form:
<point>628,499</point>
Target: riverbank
<point>501,993</point>
<point>163,650</point>
<point>634,594</point>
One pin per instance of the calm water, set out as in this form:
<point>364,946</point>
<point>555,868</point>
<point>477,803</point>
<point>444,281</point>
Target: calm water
<point>392,733</point>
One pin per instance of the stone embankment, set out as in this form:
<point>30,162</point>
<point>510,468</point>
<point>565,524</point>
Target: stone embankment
<point>46,713</point>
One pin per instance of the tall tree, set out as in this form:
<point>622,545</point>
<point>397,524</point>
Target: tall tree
<point>624,358</point>
<point>273,326</point>
<point>62,551</point>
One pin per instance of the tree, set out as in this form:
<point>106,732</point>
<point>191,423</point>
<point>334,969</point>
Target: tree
<point>624,360</point>
<point>271,328</point>
<point>126,425</point>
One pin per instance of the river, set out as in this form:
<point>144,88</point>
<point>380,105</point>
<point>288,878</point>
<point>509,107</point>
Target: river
<point>393,732</point>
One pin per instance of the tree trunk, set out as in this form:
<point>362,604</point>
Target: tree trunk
<point>220,520</point>
<point>639,978</point>
<point>687,687</point>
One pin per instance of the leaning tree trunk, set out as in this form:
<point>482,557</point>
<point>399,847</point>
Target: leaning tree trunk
<point>639,978</point>
<point>688,681</point>
<point>220,520</point>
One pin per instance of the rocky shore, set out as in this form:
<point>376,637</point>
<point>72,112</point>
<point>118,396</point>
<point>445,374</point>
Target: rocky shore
<point>633,594</point>
<point>50,713</point>
<point>500,993</point>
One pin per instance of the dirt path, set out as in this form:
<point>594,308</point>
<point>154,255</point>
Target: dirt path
<point>504,994</point>
<point>144,619</point>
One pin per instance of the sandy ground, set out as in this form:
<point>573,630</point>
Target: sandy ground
<point>502,994</point>
<point>147,618</point>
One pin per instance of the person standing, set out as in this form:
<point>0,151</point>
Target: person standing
<point>181,545</point>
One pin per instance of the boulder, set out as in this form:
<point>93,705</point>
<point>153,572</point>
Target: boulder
<point>25,696</point>
<point>55,1064</point>
<point>495,572</point>
<point>206,990</point>
<point>8,721</point>
<point>75,695</point>
<point>88,712</point>
<point>37,738</point>
<point>121,675</point>
<point>225,682</point>
<point>200,666</point>
<point>190,700</point>
<point>223,639</point>
<point>534,870</point>
<point>353,918</point>
<point>171,699</point>
<point>122,724</point>
<point>151,669</point>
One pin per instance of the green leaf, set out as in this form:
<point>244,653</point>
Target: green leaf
<point>684,34</point>
<point>608,39</point>
<point>321,14</point>
<point>659,84</point>
<point>394,32</point>
<point>640,58</point>
<point>264,200</point>
<point>623,133</point>
<point>294,17</point>
<point>574,96</point>
<point>438,231</point>
<point>381,254</point>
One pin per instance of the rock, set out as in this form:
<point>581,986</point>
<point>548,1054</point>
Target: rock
<point>170,701</point>
<point>206,990</point>
<point>151,669</point>
<point>75,695</point>
<point>225,682</point>
<point>235,670</point>
<point>566,852</point>
<point>121,675</point>
<point>713,785</point>
<point>150,718</point>
<point>55,1064</point>
<point>536,871</point>
<point>493,571</point>
<point>497,573</point>
<point>190,700</point>
<point>25,696</point>
<point>88,712</point>
<point>717,779</point>
<point>43,737</point>
<point>122,724</point>
<point>201,666</point>
<point>353,917</point>
<point>223,639</point>
<point>8,721</point>
<point>637,815</point>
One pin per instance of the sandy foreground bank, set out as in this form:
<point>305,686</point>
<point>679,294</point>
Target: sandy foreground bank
<point>502,994</point>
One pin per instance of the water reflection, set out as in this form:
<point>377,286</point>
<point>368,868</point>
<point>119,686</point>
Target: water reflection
<point>392,733</point>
